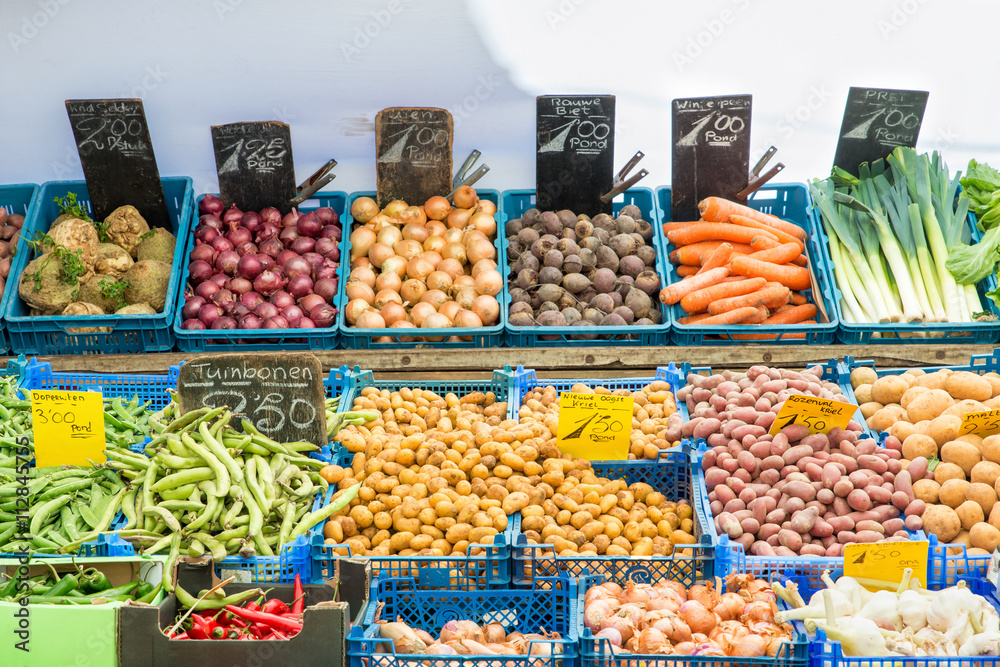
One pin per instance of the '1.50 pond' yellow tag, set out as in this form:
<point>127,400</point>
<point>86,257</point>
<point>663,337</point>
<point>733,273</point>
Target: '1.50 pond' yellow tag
<point>981,423</point>
<point>819,414</point>
<point>68,426</point>
<point>595,426</point>
<point>886,561</point>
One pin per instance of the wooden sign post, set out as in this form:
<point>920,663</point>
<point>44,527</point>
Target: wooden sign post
<point>711,151</point>
<point>112,138</point>
<point>574,162</point>
<point>876,120</point>
<point>281,394</point>
<point>254,162</point>
<point>413,154</point>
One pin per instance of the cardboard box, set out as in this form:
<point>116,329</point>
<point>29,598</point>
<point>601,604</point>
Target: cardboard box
<point>321,643</point>
<point>71,636</point>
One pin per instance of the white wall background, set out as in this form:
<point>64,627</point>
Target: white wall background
<point>327,67</point>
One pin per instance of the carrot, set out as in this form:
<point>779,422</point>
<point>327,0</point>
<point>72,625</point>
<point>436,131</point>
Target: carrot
<point>798,299</point>
<point>667,226</point>
<point>782,254</point>
<point>780,301</point>
<point>793,315</point>
<point>695,254</point>
<point>719,257</point>
<point>758,318</point>
<point>789,275</point>
<point>694,319</point>
<point>684,270</point>
<point>765,294</point>
<point>784,336</point>
<point>714,231</point>
<point>698,301</point>
<point>718,209</point>
<point>731,317</point>
<point>674,293</point>
<point>759,243</point>
<point>782,309</point>
<point>742,221</point>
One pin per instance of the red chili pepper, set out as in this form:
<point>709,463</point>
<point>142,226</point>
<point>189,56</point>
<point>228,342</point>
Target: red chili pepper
<point>223,619</point>
<point>252,606</point>
<point>298,600</point>
<point>200,627</point>
<point>219,632</point>
<point>278,634</point>
<point>233,633</point>
<point>271,620</point>
<point>256,631</point>
<point>275,607</point>
<point>181,635</point>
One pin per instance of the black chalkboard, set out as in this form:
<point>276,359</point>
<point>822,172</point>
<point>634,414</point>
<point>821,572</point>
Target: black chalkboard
<point>254,162</point>
<point>413,154</point>
<point>112,138</point>
<point>574,159</point>
<point>711,151</point>
<point>877,120</point>
<point>281,394</point>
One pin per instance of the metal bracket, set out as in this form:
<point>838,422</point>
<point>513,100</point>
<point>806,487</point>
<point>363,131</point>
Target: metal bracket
<point>620,184</point>
<point>756,180</point>
<point>463,177</point>
<point>321,178</point>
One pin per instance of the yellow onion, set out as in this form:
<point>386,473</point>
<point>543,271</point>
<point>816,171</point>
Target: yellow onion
<point>434,243</point>
<point>386,296</point>
<point>419,268</point>
<point>389,235</point>
<point>698,618</point>
<point>450,266</point>
<point>436,228</point>
<point>491,282</point>
<point>362,274</point>
<point>360,291</point>
<point>415,232</point>
<point>458,218</point>
<point>394,207</point>
<point>408,249</point>
<point>420,311</point>
<point>437,208</point>
<point>378,253</point>
<point>478,249</point>
<point>435,297</point>
<point>449,309</point>
<point>652,640</point>
<point>412,291</point>
<point>486,206</point>
<point>439,280</point>
<point>364,209</point>
<point>730,606</point>
<point>759,611</point>
<point>431,256</point>
<point>749,646</point>
<point>465,197</point>
<point>393,312</point>
<point>370,319</point>
<point>362,239</point>
<point>487,309</point>
<point>484,222</point>
<point>456,251</point>
<point>388,280</point>
<point>466,319</point>
<point>354,309</point>
<point>410,214</point>
<point>395,264</point>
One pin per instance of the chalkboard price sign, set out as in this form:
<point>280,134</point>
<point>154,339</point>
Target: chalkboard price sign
<point>254,163</point>
<point>711,151</point>
<point>413,154</point>
<point>574,161</point>
<point>280,394</point>
<point>877,120</point>
<point>112,138</point>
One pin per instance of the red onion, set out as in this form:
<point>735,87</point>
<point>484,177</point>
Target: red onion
<point>306,323</point>
<point>323,316</point>
<point>206,289</point>
<point>267,231</point>
<point>227,262</point>
<point>309,225</point>
<point>291,218</point>
<point>205,253</point>
<point>246,249</point>
<point>205,234</point>
<point>276,322</point>
<point>326,288</point>
<point>284,256</point>
<point>271,247</point>
<point>224,322</point>
<point>327,215</point>
<point>223,296</point>
<point>251,299</point>
<point>249,266</point>
<point>239,235</point>
<point>287,235</point>
<point>315,261</point>
<point>250,321</point>
<point>222,244</point>
<point>293,314</point>
<point>232,216</point>
<point>282,299</point>
<point>250,221</point>
<point>302,245</point>
<point>271,215</point>
<point>199,271</point>
<point>209,313</point>
<point>213,221</point>
<point>266,261</point>
<point>296,266</point>
<point>310,301</point>
<point>189,310</point>
<point>219,279</point>
<point>236,310</point>
<point>299,286</point>
<point>240,285</point>
<point>331,232</point>
<point>193,324</point>
<point>267,282</point>
<point>328,271</point>
<point>210,204</point>
<point>325,245</point>
<point>266,310</point>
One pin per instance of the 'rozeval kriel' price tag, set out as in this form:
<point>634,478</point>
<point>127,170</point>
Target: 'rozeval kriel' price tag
<point>254,162</point>
<point>818,414</point>
<point>886,561</point>
<point>595,426</point>
<point>877,120</point>
<point>981,423</point>
<point>68,427</point>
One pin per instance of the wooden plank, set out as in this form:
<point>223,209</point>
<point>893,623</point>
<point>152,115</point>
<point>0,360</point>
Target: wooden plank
<point>575,362</point>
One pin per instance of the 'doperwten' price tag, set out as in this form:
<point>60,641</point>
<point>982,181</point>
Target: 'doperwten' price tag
<point>820,415</point>
<point>886,561</point>
<point>68,427</point>
<point>981,423</point>
<point>595,426</point>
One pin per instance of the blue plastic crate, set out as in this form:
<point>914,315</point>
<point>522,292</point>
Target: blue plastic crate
<point>524,611</point>
<point>672,475</point>
<point>790,202</point>
<point>256,340</point>
<point>515,203</point>
<point>19,200</point>
<point>355,338</point>
<point>151,388</point>
<point>897,333</point>
<point>129,334</point>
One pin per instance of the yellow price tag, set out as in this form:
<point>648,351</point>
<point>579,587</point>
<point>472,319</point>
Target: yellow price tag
<point>819,414</point>
<point>68,427</point>
<point>595,426</point>
<point>886,561</point>
<point>981,423</point>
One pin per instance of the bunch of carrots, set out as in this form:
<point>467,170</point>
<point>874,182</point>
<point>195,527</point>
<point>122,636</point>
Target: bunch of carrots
<point>739,266</point>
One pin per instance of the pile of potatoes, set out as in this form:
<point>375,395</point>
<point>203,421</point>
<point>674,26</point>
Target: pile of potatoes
<point>442,474</point>
<point>957,476</point>
<point>656,424</point>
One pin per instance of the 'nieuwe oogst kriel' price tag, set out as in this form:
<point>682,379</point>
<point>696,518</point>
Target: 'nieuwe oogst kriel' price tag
<point>886,561</point>
<point>595,426</point>
<point>819,414</point>
<point>981,423</point>
<point>68,427</point>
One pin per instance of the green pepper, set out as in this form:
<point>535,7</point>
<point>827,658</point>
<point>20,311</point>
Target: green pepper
<point>64,585</point>
<point>93,581</point>
<point>65,599</point>
<point>142,589</point>
<point>151,595</point>
<point>115,592</point>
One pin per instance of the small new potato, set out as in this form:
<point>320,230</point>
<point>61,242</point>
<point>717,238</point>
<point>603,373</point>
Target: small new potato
<point>968,385</point>
<point>889,389</point>
<point>863,393</point>
<point>927,490</point>
<point>863,375</point>
<point>970,513</point>
<point>929,405</point>
<point>982,494</point>
<point>984,536</point>
<point>948,471</point>
<point>962,454</point>
<point>917,445</point>
<point>942,521</point>
<point>869,409</point>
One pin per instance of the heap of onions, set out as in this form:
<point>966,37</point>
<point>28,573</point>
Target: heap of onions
<point>429,267</point>
<point>468,638</point>
<point>10,232</point>
<point>262,270</point>
<point>667,618</point>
